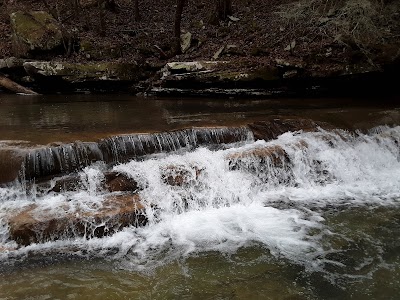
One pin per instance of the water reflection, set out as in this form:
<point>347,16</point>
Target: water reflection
<point>46,119</point>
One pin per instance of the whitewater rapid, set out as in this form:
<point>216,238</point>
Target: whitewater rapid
<point>223,206</point>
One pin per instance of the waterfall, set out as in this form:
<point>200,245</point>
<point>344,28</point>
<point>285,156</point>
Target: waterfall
<point>68,158</point>
<point>206,198</point>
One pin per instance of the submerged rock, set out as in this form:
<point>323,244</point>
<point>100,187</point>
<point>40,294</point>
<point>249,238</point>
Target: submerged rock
<point>37,225</point>
<point>35,31</point>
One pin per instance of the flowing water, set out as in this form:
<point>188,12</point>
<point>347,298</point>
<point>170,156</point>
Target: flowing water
<point>308,215</point>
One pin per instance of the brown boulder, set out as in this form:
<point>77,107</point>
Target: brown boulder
<point>67,183</point>
<point>10,165</point>
<point>269,164</point>
<point>180,175</point>
<point>270,130</point>
<point>119,182</point>
<point>35,225</point>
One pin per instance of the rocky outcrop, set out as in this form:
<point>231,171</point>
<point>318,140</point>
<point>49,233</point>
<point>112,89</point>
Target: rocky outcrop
<point>78,73</point>
<point>35,224</point>
<point>35,31</point>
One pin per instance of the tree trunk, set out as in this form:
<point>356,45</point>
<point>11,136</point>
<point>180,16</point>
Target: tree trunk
<point>137,11</point>
<point>224,8</point>
<point>180,4</point>
<point>102,28</point>
<point>15,87</point>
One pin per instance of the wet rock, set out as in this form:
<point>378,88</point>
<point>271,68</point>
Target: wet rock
<point>119,182</point>
<point>180,175</point>
<point>270,130</point>
<point>11,162</point>
<point>269,164</point>
<point>35,31</point>
<point>38,225</point>
<point>67,183</point>
<point>89,72</point>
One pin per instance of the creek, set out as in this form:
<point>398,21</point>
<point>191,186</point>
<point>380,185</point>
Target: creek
<point>310,214</point>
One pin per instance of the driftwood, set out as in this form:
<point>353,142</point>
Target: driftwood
<point>15,87</point>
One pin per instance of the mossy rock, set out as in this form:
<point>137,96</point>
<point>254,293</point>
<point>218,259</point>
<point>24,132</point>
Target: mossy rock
<point>76,72</point>
<point>35,31</point>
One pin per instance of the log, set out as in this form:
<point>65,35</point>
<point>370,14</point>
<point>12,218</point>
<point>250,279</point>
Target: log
<point>15,87</point>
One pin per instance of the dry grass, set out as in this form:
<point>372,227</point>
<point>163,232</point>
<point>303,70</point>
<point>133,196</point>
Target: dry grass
<point>362,24</point>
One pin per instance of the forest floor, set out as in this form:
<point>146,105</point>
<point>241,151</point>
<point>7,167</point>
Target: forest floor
<point>320,34</point>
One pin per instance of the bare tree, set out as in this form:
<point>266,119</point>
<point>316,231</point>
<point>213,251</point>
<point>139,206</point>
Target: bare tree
<point>180,5</point>
<point>223,9</point>
<point>102,22</point>
<point>136,8</point>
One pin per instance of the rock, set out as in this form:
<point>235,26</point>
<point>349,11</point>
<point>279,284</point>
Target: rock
<point>180,175</point>
<point>183,67</point>
<point>219,52</point>
<point>11,161</point>
<point>290,74</point>
<point>37,225</point>
<point>35,31</point>
<point>270,130</point>
<point>119,182</point>
<point>234,50</point>
<point>233,19</point>
<point>291,46</point>
<point>67,183</point>
<point>186,41</point>
<point>11,63</point>
<point>288,64</point>
<point>270,164</point>
<point>89,72</point>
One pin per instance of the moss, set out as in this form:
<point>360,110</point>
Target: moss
<point>37,30</point>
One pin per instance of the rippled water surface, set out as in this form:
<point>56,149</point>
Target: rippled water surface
<point>320,222</point>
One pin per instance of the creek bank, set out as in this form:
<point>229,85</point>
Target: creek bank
<point>231,78</point>
<point>281,79</point>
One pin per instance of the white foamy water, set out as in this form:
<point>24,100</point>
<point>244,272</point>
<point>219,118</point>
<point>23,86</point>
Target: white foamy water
<point>222,200</point>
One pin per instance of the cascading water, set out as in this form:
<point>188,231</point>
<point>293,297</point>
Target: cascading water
<point>274,194</point>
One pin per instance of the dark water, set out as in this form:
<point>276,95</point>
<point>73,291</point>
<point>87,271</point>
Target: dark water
<point>352,223</point>
<point>48,119</point>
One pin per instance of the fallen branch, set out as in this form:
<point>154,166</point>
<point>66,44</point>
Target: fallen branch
<point>15,87</point>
